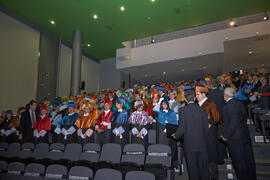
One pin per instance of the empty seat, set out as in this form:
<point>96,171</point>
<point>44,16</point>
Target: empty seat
<point>56,171</point>
<point>26,150</point>
<point>91,153</point>
<point>34,169</point>
<point>56,151</point>
<point>108,174</point>
<point>15,168</point>
<point>139,175</point>
<point>3,149</point>
<point>134,153</point>
<point>41,151</point>
<point>12,151</point>
<point>80,172</point>
<point>159,154</point>
<point>111,152</point>
<point>72,152</point>
<point>3,166</point>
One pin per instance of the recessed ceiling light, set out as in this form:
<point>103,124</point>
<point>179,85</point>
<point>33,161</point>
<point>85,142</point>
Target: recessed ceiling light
<point>122,8</point>
<point>52,22</point>
<point>88,45</point>
<point>250,52</point>
<point>226,38</point>
<point>200,53</point>
<point>257,32</point>
<point>153,0</point>
<point>164,73</point>
<point>232,23</point>
<point>95,16</point>
<point>265,16</point>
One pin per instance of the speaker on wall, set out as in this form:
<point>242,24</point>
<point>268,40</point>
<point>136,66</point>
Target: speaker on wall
<point>82,85</point>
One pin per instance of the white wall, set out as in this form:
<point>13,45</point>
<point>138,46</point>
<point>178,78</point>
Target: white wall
<point>19,46</point>
<point>110,77</point>
<point>207,43</point>
<point>90,73</point>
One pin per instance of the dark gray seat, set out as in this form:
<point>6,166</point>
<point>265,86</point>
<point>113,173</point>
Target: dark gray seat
<point>3,166</point>
<point>15,168</point>
<point>139,175</point>
<point>12,151</point>
<point>134,153</point>
<point>41,151</point>
<point>159,154</point>
<point>111,152</point>
<point>91,152</point>
<point>80,172</point>
<point>26,150</point>
<point>72,152</point>
<point>56,151</point>
<point>108,174</point>
<point>55,171</point>
<point>3,149</point>
<point>34,169</point>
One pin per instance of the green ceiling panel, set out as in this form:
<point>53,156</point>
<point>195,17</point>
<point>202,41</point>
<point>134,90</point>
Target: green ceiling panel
<point>141,18</point>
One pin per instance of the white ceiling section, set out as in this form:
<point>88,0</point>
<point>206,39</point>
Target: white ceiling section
<point>192,46</point>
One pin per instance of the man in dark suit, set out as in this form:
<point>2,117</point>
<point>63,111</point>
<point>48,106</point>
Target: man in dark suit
<point>28,118</point>
<point>236,134</point>
<point>264,92</point>
<point>256,83</point>
<point>193,128</point>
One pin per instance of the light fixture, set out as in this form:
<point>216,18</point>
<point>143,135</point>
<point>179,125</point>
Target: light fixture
<point>164,73</point>
<point>52,22</point>
<point>153,0</point>
<point>122,8</point>
<point>257,32</point>
<point>226,38</point>
<point>200,53</point>
<point>232,23</point>
<point>265,16</point>
<point>88,45</point>
<point>95,16</point>
<point>153,40</point>
<point>250,52</point>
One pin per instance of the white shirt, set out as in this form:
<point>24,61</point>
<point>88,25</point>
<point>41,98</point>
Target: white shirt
<point>85,114</point>
<point>70,114</point>
<point>202,101</point>
<point>120,110</point>
<point>228,100</point>
<point>106,112</point>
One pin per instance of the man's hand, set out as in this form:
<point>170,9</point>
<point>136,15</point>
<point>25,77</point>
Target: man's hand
<point>223,138</point>
<point>20,137</point>
<point>173,135</point>
<point>139,134</point>
<point>209,125</point>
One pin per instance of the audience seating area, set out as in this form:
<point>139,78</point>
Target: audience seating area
<point>89,161</point>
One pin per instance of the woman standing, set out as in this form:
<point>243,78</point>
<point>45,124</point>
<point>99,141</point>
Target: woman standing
<point>42,125</point>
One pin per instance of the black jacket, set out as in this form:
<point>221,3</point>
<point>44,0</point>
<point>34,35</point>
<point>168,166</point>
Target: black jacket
<point>26,124</point>
<point>193,128</point>
<point>235,121</point>
<point>264,100</point>
<point>217,96</point>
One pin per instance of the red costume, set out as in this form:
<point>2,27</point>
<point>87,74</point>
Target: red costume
<point>102,118</point>
<point>43,124</point>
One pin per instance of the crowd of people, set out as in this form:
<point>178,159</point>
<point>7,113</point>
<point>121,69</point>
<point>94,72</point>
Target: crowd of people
<point>206,116</point>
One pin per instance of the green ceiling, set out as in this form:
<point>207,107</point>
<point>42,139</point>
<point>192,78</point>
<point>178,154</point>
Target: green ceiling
<point>114,26</point>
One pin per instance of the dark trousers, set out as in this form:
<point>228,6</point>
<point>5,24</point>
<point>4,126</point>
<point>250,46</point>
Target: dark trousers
<point>197,164</point>
<point>242,160</point>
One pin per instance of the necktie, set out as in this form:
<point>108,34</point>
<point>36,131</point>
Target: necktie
<point>32,118</point>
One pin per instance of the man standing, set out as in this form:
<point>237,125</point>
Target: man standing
<point>213,120</point>
<point>28,118</point>
<point>193,128</point>
<point>236,134</point>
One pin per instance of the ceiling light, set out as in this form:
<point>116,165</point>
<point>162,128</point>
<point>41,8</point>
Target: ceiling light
<point>122,8</point>
<point>250,52</point>
<point>95,16</point>
<point>257,33</point>
<point>88,45</point>
<point>153,40</point>
<point>232,23</point>
<point>153,0</point>
<point>52,22</point>
<point>200,53</point>
<point>164,73</point>
<point>226,38</point>
<point>265,16</point>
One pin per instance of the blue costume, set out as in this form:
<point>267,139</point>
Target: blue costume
<point>241,95</point>
<point>69,120</point>
<point>167,117</point>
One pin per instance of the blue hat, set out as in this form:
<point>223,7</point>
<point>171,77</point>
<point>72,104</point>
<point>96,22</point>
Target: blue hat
<point>248,86</point>
<point>161,88</point>
<point>9,112</point>
<point>57,101</point>
<point>71,105</point>
<point>87,99</point>
<point>202,82</point>
<point>187,87</point>
<point>121,100</point>
<point>129,90</point>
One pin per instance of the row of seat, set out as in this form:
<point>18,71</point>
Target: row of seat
<point>36,171</point>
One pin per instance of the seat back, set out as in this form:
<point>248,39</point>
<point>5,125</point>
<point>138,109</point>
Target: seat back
<point>73,151</point>
<point>34,169</point>
<point>3,166</point>
<point>57,147</point>
<point>111,152</point>
<point>15,168</point>
<point>41,150</point>
<point>134,153</point>
<point>139,175</point>
<point>108,174</point>
<point>13,149</point>
<point>56,171</point>
<point>80,172</point>
<point>91,152</point>
<point>159,154</point>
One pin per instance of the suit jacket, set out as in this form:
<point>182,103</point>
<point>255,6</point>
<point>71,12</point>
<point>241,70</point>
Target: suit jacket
<point>256,86</point>
<point>26,124</point>
<point>193,128</point>
<point>217,96</point>
<point>264,100</point>
<point>235,121</point>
